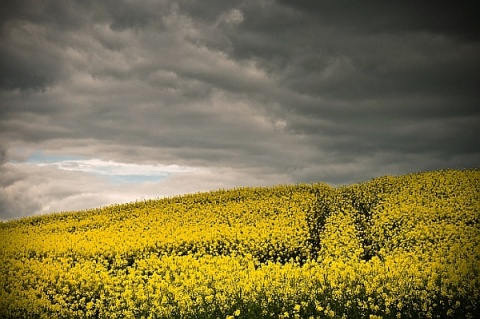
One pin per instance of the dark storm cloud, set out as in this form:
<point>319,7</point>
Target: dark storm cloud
<point>389,75</point>
<point>240,92</point>
<point>443,17</point>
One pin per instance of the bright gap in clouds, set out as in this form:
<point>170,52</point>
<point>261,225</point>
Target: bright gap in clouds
<point>116,172</point>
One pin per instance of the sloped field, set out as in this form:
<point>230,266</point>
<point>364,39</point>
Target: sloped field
<point>393,247</point>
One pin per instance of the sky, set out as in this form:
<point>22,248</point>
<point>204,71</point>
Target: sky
<point>114,101</point>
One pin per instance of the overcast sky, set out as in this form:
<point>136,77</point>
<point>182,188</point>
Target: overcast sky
<point>115,101</point>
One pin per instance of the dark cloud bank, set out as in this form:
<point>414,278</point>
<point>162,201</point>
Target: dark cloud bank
<point>245,92</point>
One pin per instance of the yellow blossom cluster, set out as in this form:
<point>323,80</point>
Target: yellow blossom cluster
<point>392,247</point>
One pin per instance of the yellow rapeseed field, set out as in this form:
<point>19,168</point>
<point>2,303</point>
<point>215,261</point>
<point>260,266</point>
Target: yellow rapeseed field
<point>392,247</point>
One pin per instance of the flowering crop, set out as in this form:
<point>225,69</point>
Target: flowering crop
<point>392,247</point>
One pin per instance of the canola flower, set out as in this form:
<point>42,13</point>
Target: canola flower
<point>392,247</point>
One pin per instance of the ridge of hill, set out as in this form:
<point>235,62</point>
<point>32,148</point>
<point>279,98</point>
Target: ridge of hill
<point>391,247</point>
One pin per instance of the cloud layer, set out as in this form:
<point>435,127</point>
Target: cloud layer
<point>214,94</point>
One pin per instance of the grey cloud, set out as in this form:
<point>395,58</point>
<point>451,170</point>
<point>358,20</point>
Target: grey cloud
<point>71,15</point>
<point>25,62</point>
<point>361,134</point>
<point>207,12</point>
<point>457,19</point>
<point>28,190</point>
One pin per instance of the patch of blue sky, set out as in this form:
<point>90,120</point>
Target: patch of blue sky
<point>114,172</point>
<point>137,179</point>
<point>42,158</point>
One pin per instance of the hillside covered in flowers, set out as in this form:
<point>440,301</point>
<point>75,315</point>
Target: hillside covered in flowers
<point>391,247</point>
